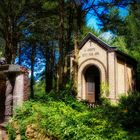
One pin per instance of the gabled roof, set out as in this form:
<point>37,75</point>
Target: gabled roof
<point>105,46</point>
<point>92,37</point>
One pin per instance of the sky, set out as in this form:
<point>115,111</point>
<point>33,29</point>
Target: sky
<point>92,21</point>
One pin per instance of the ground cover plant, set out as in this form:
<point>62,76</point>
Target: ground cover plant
<point>58,115</point>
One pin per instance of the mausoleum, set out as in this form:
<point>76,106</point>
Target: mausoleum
<point>100,64</point>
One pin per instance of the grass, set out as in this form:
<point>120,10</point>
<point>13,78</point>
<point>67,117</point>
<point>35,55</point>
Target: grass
<point>61,116</point>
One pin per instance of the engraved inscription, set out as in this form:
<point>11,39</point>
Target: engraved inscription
<point>90,52</point>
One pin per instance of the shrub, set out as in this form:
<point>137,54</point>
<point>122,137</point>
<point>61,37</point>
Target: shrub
<point>130,109</point>
<point>58,115</point>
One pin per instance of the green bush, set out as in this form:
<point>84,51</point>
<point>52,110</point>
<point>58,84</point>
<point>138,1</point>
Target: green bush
<point>130,108</point>
<point>11,132</point>
<point>61,116</point>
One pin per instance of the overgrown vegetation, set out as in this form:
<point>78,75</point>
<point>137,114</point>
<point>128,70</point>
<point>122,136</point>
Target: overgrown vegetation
<point>61,116</point>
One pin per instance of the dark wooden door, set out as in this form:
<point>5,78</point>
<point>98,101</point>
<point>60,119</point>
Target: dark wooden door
<point>90,88</point>
<point>92,78</point>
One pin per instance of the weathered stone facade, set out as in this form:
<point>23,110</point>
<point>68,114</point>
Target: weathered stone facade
<point>100,64</point>
<point>14,89</point>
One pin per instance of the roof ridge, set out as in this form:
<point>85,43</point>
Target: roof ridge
<point>95,38</point>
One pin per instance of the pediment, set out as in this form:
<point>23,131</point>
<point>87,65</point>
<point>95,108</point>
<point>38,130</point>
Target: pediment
<point>95,39</point>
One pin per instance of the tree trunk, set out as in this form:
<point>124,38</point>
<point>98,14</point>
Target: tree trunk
<point>10,40</point>
<point>68,47</point>
<point>76,44</point>
<point>75,65</point>
<point>32,70</point>
<point>19,54</point>
<point>48,70</point>
<point>8,53</point>
<point>60,67</point>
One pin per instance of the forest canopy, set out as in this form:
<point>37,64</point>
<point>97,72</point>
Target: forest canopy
<point>44,32</point>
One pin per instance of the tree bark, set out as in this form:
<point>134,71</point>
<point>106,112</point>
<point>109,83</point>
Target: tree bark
<point>10,37</point>
<point>19,54</point>
<point>60,66</point>
<point>75,65</point>
<point>48,70</point>
<point>32,70</point>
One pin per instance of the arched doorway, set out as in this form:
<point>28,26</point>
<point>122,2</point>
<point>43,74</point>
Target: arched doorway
<point>92,83</point>
<point>83,69</point>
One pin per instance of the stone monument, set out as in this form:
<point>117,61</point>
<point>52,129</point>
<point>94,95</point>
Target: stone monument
<point>14,89</point>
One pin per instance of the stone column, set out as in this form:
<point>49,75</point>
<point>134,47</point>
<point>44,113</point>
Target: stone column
<point>18,91</point>
<point>112,75</point>
<point>9,97</point>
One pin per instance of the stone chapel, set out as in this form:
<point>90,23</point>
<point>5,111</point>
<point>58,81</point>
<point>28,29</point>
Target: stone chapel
<point>100,64</point>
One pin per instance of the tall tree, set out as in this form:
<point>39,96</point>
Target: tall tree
<point>127,31</point>
<point>15,16</point>
<point>59,22</point>
<point>9,25</point>
<point>132,36</point>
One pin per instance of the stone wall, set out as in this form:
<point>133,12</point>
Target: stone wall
<point>111,75</point>
<point>125,78</point>
<point>26,87</point>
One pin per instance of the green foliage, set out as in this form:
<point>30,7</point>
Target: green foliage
<point>132,27</point>
<point>61,116</point>
<point>128,39</point>
<point>11,132</point>
<point>86,30</point>
<point>119,42</point>
<point>131,107</point>
<point>2,44</point>
<point>39,87</point>
<point>104,89</point>
<point>50,5</point>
